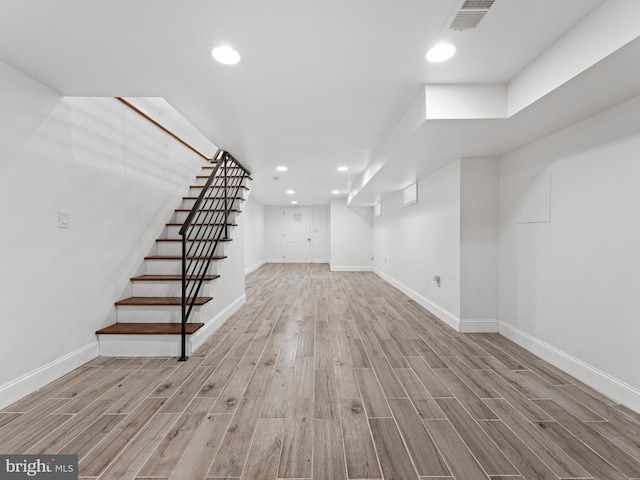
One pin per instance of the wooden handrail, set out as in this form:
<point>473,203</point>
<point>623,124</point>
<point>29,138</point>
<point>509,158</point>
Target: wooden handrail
<point>161,127</point>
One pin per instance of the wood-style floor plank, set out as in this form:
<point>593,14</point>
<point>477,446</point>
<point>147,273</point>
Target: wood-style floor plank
<point>168,453</point>
<point>459,459</point>
<point>422,400</point>
<point>423,451</point>
<point>359,451</point>
<point>235,446</point>
<point>264,455</point>
<point>372,397</point>
<point>125,466</point>
<point>94,463</point>
<point>558,461</point>
<point>199,455</point>
<point>516,451</point>
<point>326,397</point>
<point>297,444</point>
<point>394,459</point>
<point>485,451</point>
<point>582,431</point>
<point>326,375</point>
<point>328,450</point>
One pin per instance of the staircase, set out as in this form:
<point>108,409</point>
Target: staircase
<point>169,306</point>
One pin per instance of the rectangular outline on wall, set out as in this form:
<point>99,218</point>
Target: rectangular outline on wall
<point>410,195</point>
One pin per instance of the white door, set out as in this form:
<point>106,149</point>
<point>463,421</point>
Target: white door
<point>296,238</point>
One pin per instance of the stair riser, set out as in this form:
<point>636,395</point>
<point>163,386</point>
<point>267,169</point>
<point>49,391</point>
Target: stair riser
<point>154,314</point>
<point>202,181</point>
<point>173,267</point>
<point>167,289</point>
<point>207,172</point>
<point>180,217</point>
<point>175,248</point>
<point>195,189</point>
<point>213,203</point>
<point>142,345</point>
<point>174,232</point>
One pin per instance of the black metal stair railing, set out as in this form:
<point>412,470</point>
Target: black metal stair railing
<point>207,225</point>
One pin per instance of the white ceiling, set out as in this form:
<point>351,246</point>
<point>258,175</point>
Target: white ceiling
<point>324,83</point>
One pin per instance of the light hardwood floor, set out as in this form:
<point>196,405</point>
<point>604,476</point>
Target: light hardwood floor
<point>326,376</point>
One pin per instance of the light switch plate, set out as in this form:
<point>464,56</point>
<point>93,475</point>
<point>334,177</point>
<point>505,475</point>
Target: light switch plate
<point>63,219</point>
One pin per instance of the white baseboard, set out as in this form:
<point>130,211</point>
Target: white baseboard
<point>443,314</point>
<point>210,327</point>
<point>38,378</point>
<point>281,260</point>
<point>478,325</point>
<point>337,268</point>
<point>253,268</point>
<point>603,382</point>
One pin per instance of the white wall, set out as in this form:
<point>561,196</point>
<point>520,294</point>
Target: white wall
<point>350,236</point>
<point>414,243</point>
<point>320,234</point>
<point>273,234</point>
<point>120,178</point>
<point>479,217</point>
<point>254,214</point>
<point>569,288</point>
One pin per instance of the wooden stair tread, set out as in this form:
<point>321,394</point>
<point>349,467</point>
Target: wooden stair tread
<point>193,240</point>
<point>206,210</point>
<point>158,301</point>
<point>178,257</point>
<point>242,199</point>
<point>169,278</point>
<point>148,329</point>
<point>243,187</point>
<point>228,176</point>
<point>197,224</point>
<point>221,169</point>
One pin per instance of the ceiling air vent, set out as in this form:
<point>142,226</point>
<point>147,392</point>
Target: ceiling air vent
<point>469,14</point>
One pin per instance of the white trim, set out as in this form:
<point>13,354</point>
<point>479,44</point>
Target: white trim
<point>209,328</point>
<point>320,260</point>
<point>253,268</point>
<point>21,387</point>
<point>478,325</point>
<point>444,315</point>
<point>599,380</point>
<point>335,268</point>
<point>274,260</point>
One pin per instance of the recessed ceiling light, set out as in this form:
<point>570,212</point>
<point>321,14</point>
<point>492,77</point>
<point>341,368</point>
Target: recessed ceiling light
<point>290,192</point>
<point>335,192</point>
<point>343,169</point>
<point>294,203</point>
<point>440,52</point>
<point>226,55</point>
<point>281,168</point>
